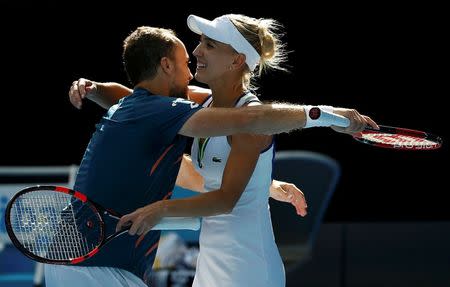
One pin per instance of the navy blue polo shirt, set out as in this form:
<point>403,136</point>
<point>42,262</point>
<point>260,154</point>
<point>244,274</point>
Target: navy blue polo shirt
<point>132,160</point>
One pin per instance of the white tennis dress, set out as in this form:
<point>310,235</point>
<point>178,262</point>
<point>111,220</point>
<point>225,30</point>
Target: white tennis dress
<point>237,249</point>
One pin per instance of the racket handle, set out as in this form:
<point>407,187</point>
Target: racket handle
<point>176,223</point>
<point>335,119</point>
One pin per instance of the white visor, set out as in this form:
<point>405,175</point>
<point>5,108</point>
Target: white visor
<point>223,30</point>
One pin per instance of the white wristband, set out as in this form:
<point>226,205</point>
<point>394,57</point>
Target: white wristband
<point>323,116</point>
<point>328,109</point>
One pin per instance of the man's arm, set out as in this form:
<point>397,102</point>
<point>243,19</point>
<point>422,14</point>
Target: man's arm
<point>108,94</point>
<point>263,119</point>
<point>103,94</point>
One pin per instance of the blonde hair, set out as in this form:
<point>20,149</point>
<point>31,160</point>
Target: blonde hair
<point>264,36</point>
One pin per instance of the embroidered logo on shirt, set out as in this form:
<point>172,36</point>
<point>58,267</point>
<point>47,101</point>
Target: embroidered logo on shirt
<point>184,101</point>
<point>216,159</point>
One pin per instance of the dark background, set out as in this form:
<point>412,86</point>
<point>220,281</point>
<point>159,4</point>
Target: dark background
<point>387,62</point>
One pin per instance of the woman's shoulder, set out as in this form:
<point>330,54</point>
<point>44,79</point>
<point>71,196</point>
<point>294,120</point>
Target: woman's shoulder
<point>248,99</point>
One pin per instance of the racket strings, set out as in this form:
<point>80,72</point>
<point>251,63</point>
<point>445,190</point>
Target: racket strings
<point>48,224</point>
<point>398,140</point>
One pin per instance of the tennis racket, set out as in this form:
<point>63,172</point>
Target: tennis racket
<point>391,137</point>
<point>57,225</point>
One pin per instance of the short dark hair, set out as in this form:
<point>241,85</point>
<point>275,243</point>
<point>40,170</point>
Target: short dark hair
<point>143,50</point>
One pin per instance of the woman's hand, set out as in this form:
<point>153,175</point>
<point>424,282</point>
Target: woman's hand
<point>288,192</point>
<point>142,219</point>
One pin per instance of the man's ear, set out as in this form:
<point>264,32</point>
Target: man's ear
<point>238,62</point>
<point>166,65</point>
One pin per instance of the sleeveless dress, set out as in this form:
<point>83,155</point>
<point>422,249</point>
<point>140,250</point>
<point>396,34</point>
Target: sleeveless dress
<point>237,249</point>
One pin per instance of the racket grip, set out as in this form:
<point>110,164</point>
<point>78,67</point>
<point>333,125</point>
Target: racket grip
<point>335,119</point>
<point>177,223</point>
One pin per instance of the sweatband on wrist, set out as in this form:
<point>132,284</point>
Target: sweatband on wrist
<point>328,109</point>
<point>320,116</point>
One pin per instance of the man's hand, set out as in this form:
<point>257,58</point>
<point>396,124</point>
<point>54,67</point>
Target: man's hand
<point>288,192</point>
<point>358,122</point>
<point>81,89</point>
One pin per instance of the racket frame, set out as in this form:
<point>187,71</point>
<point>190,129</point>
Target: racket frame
<point>95,207</point>
<point>170,223</point>
<point>399,131</point>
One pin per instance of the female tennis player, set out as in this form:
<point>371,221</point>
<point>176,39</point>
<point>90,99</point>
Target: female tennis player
<point>237,246</point>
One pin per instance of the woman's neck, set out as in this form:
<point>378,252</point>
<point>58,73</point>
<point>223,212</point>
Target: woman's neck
<point>226,97</point>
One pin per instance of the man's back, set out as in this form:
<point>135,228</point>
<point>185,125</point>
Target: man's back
<point>132,160</point>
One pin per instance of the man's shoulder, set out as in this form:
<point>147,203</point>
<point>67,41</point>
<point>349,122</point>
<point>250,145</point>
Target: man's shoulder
<point>159,107</point>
